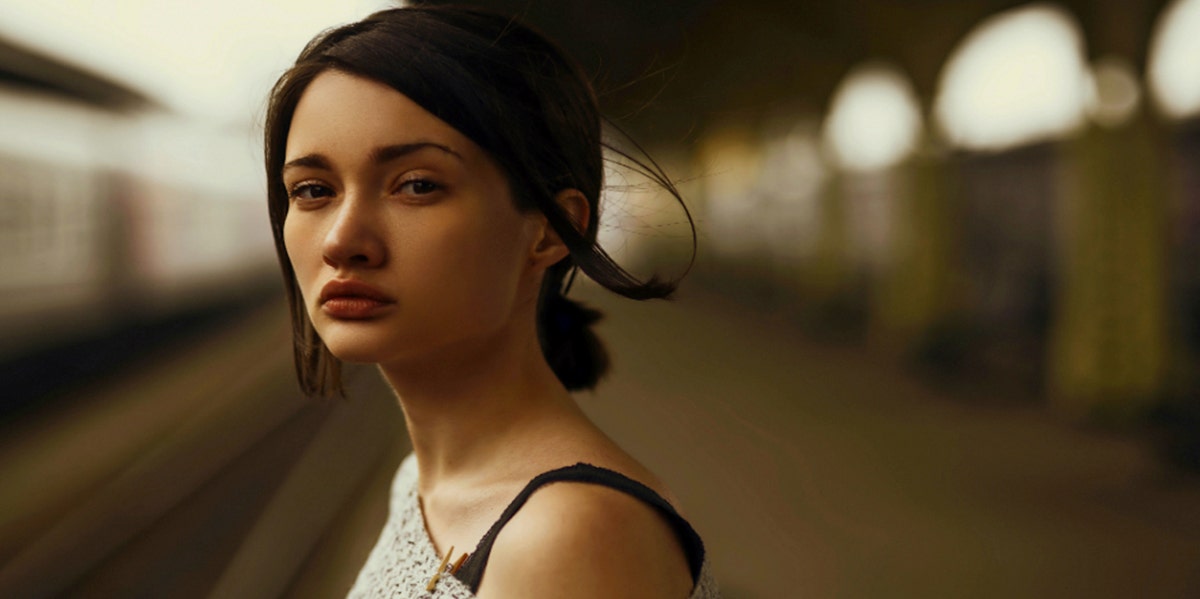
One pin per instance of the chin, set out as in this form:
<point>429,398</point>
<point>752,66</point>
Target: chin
<point>360,347</point>
<point>377,342</point>
<point>355,355</point>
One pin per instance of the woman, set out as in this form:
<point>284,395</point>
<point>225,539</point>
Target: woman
<point>433,176</point>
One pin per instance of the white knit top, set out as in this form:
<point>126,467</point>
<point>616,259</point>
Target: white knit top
<point>404,560</point>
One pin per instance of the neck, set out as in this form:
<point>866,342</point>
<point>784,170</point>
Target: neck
<point>473,414</point>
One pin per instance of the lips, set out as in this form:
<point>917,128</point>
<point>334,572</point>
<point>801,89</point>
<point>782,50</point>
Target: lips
<point>353,300</point>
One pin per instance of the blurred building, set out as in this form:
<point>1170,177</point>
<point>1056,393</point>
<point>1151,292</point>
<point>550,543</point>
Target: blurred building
<point>1002,189</point>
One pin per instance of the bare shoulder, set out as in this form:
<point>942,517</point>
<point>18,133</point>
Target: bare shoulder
<point>585,540</point>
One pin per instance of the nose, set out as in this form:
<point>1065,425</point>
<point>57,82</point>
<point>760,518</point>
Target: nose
<point>354,240</point>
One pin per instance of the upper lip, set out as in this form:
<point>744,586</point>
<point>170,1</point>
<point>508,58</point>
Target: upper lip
<point>351,288</point>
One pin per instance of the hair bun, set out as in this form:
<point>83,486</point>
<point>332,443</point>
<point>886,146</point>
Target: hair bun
<point>572,349</point>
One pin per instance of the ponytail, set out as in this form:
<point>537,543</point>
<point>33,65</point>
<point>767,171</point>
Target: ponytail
<point>571,347</point>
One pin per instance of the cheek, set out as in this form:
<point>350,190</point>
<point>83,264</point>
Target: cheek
<point>481,264</point>
<point>501,248</point>
<point>290,238</point>
<point>295,241</point>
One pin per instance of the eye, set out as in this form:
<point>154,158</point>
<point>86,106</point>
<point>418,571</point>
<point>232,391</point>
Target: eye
<point>308,191</point>
<point>419,187</point>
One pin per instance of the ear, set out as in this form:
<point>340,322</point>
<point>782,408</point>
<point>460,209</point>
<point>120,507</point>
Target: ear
<point>549,248</point>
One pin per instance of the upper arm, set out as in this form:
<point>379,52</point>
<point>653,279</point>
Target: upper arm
<point>582,541</point>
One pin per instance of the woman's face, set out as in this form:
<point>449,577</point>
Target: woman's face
<point>402,232</point>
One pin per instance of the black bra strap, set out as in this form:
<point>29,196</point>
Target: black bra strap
<point>471,572</point>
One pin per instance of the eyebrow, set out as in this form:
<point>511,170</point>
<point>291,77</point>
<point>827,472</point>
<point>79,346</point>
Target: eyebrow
<point>379,155</point>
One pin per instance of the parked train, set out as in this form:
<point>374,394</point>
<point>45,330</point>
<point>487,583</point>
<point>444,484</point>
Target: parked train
<point>116,214</point>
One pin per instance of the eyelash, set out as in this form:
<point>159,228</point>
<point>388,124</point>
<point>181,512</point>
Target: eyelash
<point>295,192</point>
<point>301,187</point>
<point>433,186</point>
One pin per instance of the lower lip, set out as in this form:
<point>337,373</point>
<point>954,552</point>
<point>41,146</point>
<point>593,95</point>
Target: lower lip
<point>354,308</point>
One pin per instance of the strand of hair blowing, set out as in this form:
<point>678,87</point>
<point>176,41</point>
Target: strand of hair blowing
<point>570,346</point>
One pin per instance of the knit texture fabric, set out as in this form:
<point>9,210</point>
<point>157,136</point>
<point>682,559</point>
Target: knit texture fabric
<point>404,560</point>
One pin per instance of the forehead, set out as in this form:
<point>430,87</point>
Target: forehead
<point>350,115</point>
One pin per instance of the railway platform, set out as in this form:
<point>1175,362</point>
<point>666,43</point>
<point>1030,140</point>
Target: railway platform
<point>810,470</point>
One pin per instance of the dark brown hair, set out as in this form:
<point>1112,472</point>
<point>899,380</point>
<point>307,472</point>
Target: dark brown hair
<point>527,105</point>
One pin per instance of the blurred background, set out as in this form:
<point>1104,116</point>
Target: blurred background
<point>940,339</point>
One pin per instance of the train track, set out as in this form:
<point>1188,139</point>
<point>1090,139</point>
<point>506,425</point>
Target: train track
<point>199,469</point>
<point>40,379</point>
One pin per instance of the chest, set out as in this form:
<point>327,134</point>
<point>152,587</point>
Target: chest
<point>461,519</point>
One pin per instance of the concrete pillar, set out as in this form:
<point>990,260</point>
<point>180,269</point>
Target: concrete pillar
<point>917,298</point>
<point>1110,348</point>
<point>831,282</point>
